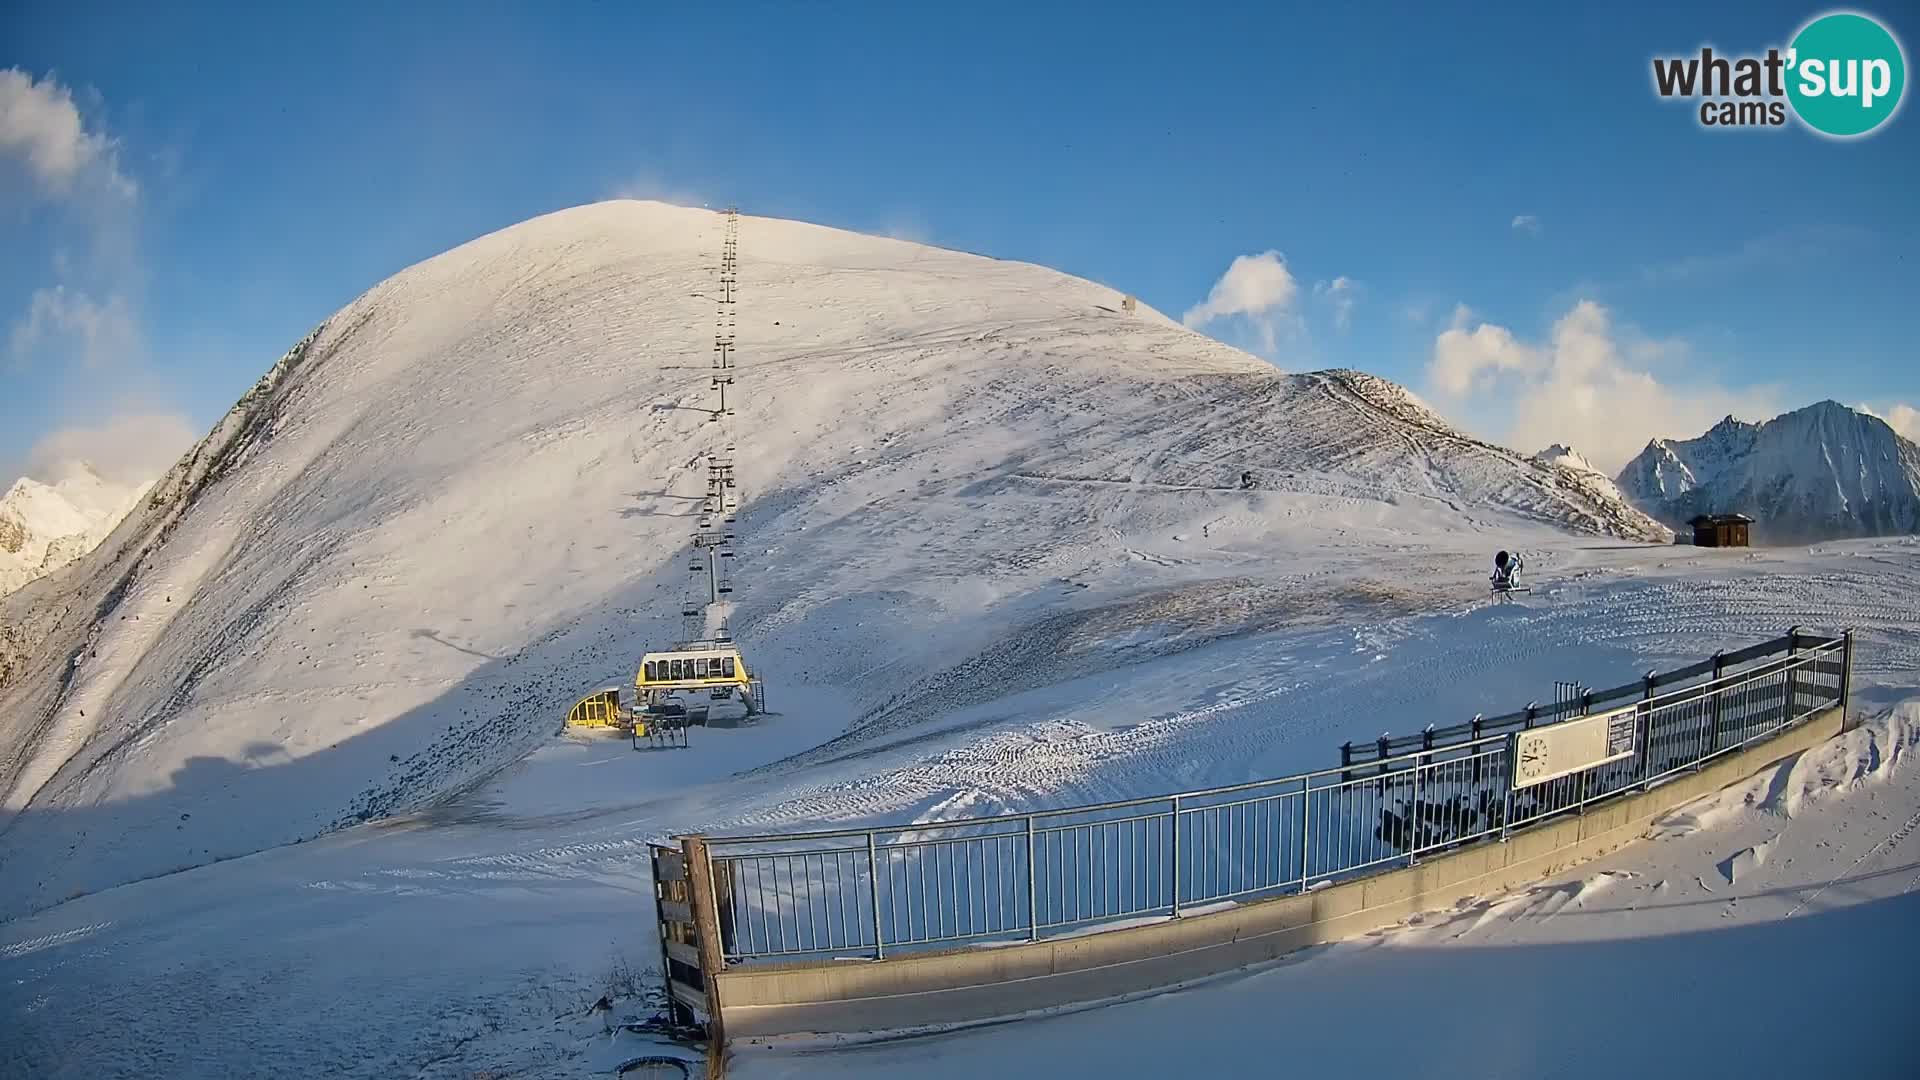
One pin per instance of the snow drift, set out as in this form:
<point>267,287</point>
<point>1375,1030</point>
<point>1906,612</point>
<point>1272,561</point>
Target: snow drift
<point>1818,473</point>
<point>460,502</point>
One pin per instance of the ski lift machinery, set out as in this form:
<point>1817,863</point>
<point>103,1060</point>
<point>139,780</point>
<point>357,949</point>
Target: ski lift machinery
<point>680,685</point>
<point>689,679</point>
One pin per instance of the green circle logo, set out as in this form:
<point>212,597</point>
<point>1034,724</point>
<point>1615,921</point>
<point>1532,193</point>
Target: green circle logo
<point>1846,74</point>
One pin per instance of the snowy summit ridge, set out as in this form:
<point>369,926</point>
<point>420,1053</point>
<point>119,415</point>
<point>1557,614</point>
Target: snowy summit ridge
<point>47,526</point>
<point>1566,457</point>
<point>461,502</point>
<point>1822,472</point>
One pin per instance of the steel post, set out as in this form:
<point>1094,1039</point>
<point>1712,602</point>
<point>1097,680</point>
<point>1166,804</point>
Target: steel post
<point>1176,856</point>
<point>1846,678</point>
<point>1306,832</point>
<point>1033,892</point>
<point>1413,814</point>
<point>1646,755</point>
<point>873,884</point>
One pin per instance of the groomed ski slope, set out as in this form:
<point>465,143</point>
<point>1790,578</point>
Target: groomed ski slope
<point>472,938</point>
<point>460,502</point>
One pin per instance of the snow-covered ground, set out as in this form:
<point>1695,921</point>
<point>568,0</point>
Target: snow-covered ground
<point>996,553</point>
<point>462,501</point>
<point>473,937</point>
<point>1771,930</point>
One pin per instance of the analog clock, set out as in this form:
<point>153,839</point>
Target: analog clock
<point>1531,760</point>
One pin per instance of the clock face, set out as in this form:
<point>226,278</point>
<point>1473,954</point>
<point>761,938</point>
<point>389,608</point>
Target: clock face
<point>1532,762</point>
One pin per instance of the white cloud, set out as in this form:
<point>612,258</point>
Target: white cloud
<point>81,329</point>
<point>1899,416</point>
<point>129,448</point>
<point>1526,223</point>
<point>87,318</point>
<point>1258,288</point>
<point>1461,356</point>
<point>41,127</point>
<point>73,328</point>
<point>1590,386</point>
<point>1342,293</point>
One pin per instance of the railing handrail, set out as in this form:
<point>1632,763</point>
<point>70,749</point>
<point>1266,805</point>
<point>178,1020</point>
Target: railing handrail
<point>1551,713</point>
<point>1374,768</point>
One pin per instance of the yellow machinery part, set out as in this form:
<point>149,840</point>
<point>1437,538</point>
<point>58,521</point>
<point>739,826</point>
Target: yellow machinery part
<point>600,709</point>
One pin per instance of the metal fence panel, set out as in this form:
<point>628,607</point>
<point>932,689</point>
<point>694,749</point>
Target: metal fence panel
<point>866,892</point>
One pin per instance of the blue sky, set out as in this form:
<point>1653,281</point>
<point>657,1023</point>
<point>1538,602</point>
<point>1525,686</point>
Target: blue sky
<point>241,172</point>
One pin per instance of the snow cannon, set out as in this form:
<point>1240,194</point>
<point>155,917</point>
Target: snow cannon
<point>1506,576</point>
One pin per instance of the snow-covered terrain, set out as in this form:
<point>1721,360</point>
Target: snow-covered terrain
<point>1767,931</point>
<point>45,526</point>
<point>473,937</point>
<point>1565,457</point>
<point>1822,472</point>
<point>460,503</point>
<point>997,554</point>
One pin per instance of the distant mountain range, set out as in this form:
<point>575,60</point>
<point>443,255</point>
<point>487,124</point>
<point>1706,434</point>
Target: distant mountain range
<point>1818,473</point>
<point>44,526</point>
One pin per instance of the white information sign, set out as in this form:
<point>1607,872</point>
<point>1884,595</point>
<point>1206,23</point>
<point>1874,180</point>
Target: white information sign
<point>1548,753</point>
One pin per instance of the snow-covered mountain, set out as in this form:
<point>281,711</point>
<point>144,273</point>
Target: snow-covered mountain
<point>45,526</point>
<point>463,500</point>
<point>1566,457</point>
<point>1821,472</point>
<point>1571,463</point>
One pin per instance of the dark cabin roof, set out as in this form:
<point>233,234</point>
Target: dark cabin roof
<point>1721,519</point>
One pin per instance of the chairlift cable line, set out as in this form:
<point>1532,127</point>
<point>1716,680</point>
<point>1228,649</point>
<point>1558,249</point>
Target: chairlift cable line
<point>707,658</point>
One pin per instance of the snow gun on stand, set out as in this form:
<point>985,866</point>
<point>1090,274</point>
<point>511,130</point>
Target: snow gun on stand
<point>1506,577</point>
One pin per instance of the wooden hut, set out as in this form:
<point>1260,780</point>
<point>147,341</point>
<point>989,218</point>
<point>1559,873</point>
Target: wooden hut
<point>1720,530</point>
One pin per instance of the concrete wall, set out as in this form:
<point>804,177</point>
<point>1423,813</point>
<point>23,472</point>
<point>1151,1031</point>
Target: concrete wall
<point>964,985</point>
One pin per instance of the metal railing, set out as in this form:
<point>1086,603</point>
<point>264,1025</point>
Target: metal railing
<point>1018,877</point>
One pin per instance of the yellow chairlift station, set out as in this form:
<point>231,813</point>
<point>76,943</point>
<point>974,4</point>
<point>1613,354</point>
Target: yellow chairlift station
<point>600,709</point>
<point>716,667</point>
